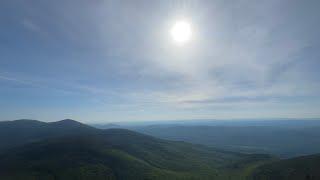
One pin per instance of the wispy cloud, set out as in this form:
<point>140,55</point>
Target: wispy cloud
<point>15,80</point>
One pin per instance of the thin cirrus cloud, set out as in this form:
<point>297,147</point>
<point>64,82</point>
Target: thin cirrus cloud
<point>245,59</point>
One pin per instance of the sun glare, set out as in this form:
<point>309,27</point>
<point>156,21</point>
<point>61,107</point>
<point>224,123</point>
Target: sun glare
<point>181,32</point>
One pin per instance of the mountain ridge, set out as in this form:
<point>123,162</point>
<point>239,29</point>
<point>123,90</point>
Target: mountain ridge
<point>18,132</point>
<point>119,154</point>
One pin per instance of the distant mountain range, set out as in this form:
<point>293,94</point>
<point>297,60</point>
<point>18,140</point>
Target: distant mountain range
<point>282,122</point>
<point>279,140</point>
<point>67,149</point>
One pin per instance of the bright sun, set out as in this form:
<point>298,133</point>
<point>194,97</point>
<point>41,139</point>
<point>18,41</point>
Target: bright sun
<point>181,32</point>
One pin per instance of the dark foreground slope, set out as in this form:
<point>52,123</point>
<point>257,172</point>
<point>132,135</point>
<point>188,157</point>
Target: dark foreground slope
<point>121,154</point>
<point>300,168</point>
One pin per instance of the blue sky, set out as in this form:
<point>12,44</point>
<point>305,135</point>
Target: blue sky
<point>108,61</point>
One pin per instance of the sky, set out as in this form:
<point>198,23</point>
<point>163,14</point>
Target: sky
<point>111,61</point>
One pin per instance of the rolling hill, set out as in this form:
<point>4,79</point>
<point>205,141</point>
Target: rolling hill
<point>76,151</point>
